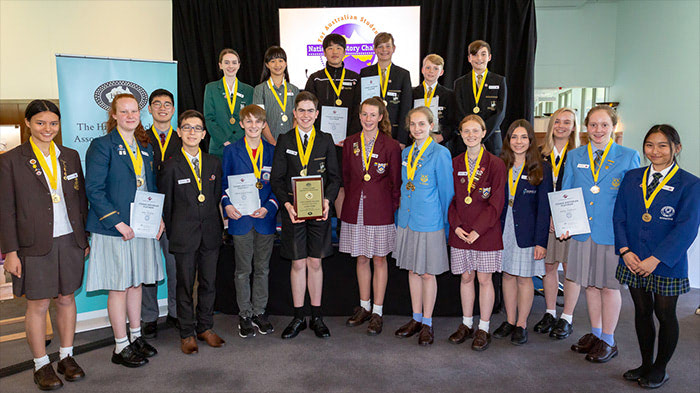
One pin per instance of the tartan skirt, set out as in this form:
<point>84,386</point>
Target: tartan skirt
<point>664,286</point>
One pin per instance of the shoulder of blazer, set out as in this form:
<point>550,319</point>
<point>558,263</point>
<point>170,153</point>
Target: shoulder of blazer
<point>492,76</point>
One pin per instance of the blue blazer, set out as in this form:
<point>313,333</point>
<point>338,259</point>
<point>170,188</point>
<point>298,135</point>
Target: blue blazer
<point>425,209</point>
<point>110,182</point>
<point>675,216</point>
<point>237,162</point>
<point>530,209</point>
<point>599,206</point>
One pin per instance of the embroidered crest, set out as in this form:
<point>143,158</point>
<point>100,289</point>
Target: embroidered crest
<point>381,167</point>
<point>423,179</point>
<point>668,211</point>
<point>485,192</point>
<point>616,182</point>
<point>321,167</point>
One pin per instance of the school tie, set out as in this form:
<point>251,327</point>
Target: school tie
<point>596,160</point>
<point>430,90</point>
<point>478,80</point>
<point>306,140</point>
<point>654,183</point>
<point>383,74</point>
<point>556,160</point>
<point>195,164</point>
<point>162,139</point>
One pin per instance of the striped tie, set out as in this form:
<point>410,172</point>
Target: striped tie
<point>654,183</point>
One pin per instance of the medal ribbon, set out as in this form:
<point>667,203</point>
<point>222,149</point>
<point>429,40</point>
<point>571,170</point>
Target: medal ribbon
<point>339,88</point>
<point>52,173</point>
<point>596,172</point>
<point>427,100</point>
<point>197,176</point>
<point>477,93</point>
<point>167,140</point>
<point>513,186</point>
<point>368,159</point>
<point>231,101</point>
<point>304,155</point>
<point>384,83</point>
<point>472,172</point>
<point>137,161</point>
<point>650,200</point>
<point>257,169</point>
<point>279,101</point>
<point>411,169</point>
<point>552,158</point>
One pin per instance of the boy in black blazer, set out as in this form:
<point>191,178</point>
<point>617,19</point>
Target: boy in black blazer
<point>429,90</point>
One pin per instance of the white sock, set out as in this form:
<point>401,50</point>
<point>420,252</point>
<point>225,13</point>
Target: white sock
<point>553,313</point>
<point>377,309</point>
<point>135,333</point>
<point>484,325</point>
<point>65,352</point>
<point>469,321</point>
<point>567,318</point>
<point>41,362</point>
<point>120,344</point>
<point>366,304</point>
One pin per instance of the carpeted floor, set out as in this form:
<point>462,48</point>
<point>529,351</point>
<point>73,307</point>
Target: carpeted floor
<point>352,361</point>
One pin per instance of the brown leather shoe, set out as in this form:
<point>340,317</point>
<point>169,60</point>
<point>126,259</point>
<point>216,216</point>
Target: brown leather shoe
<point>376,322</point>
<point>426,335</point>
<point>46,379</point>
<point>601,352</point>
<point>408,329</point>
<point>463,332</point>
<point>585,343</point>
<point>70,369</point>
<point>482,340</point>
<point>359,316</point>
<point>189,345</point>
<point>211,338</point>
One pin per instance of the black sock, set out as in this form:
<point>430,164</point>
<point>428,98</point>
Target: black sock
<point>644,325</point>
<point>665,310</point>
<point>299,312</point>
<point>315,311</point>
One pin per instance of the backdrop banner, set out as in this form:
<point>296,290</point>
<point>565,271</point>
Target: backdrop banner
<point>86,87</point>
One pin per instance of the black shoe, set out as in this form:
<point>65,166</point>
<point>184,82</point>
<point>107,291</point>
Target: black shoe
<point>245,327</point>
<point>149,329</point>
<point>635,373</point>
<point>320,328</point>
<point>519,336</point>
<point>294,327</point>
<point>562,329</point>
<point>129,357</point>
<point>504,330</point>
<point>263,324</point>
<point>172,322</point>
<point>144,348</point>
<point>646,383</point>
<point>545,324</point>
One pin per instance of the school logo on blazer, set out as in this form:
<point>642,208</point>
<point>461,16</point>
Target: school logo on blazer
<point>321,167</point>
<point>616,182</point>
<point>423,179</point>
<point>381,167</point>
<point>667,213</point>
<point>105,93</point>
<point>485,192</point>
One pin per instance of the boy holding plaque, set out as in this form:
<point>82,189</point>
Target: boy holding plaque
<point>301,152</point>
<point>253,232</point>
<point>191,182</point>
<point>430,90</point>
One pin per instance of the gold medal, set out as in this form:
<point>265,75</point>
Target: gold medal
<point>468,200</point>
<point>339,102</point>
<point>285,118</point>
<point>258,185</point>
<point>139,182</point>
<point>409,186</point>
<point>302,172</point>
<point>646,217</point>
<point>201,198</point>
<point>595,189</point>
<point>476,109</point>
<point>232,120</point>
<point>57,198</point>
<point>367,177</point>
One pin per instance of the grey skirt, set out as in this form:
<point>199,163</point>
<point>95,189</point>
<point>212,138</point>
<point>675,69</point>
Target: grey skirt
<point>421,252</point>
<point>557,251</point>
<point>592,265</point>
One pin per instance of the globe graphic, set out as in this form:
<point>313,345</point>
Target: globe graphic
<point>356,34</point>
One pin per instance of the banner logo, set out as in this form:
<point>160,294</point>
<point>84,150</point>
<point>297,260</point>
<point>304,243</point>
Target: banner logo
<point>359,34</point>
<point>105,93</point>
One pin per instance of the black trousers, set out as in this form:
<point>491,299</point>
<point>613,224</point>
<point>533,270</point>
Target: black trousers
<point>202,264</point>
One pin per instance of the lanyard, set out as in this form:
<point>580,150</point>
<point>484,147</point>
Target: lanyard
<point>552,158</point>
<point>470,171</point>
<point>411,168</point>
<point>197,175</point>
<point>427,100</point>
<point>136,161</point>
<point>384,82</point>
<point>279,101</point>
<point>337,89</point>
<point>257,158</point>
<point>650,200</point>
<point>367,160</point>
<point>167,141</point>
<point>596,171</point>
<point>51,172</point>
<point>231,100</point>
<point>305,155</point>
<point>477,93</point>
<point>513,185</point>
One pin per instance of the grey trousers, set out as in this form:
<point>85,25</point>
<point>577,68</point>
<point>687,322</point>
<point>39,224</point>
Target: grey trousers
<point>252,252</point>
<point>149,294</point>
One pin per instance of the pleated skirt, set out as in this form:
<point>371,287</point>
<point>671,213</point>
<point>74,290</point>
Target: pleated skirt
<point>592,265</point>
<point>421,252</point>
<point>116,264</point>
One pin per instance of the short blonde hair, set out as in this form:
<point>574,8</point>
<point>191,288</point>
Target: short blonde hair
<point>435,59</point>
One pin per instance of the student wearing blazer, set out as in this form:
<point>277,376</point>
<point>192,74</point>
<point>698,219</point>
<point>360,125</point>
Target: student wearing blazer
<point>598,168</point>
<point>430,90</point>
<point>42,219</point>
<point>525,226</point>
<point>191,182</point>
<point>117,165</point>
<point>372,173</point>
<point>223,99</point>
<point>654,226</point>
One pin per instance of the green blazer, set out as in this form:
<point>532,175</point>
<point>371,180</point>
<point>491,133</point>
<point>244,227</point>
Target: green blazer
<point>218,115</point>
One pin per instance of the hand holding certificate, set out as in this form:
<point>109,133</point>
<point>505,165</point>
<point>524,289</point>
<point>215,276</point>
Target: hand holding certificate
<point>569,212</point>
<point>146,213</point>
<point>243,194</point>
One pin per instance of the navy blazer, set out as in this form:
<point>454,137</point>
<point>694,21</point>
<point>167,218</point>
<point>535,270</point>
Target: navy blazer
<point>110,182</point>
<point>530,209</point>
<point>675,216</point>
<point>237,162</point>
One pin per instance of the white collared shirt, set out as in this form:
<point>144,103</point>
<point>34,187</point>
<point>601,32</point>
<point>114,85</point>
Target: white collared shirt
<point>302,134</point>
<point>663,173</point>
<point>430,87</point>
<point>61,222</point>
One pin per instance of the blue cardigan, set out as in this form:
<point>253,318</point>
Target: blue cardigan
<point>425,209</point>
<point>110,182</point>
<point>675,216</point>
<point>599,206</point>
<point>237,162</point>
<point>530,209</point>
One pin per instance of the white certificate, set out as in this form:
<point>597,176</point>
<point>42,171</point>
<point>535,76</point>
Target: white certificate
<point>370,87</point>
<point>569,212</point>
<point>434,106</point>
<point>334,120</point>
<point>146,213</point>
<point>243,194</point>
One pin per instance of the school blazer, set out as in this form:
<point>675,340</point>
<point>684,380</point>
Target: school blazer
<point>383,191</point>
<point>110,182</point>
<point>399,98</point>
<point>237,162</point>
<point>191,224</point>
<point>599,206</point>
<point>286,164</point>
<point>447,110</point>
<point>174,147</point>
<point>217,114</point>
<point>26,208</point>
<point>492,104</point>
<point>530,209</point>
<point>675,216</point>
<point>483,215</point>
<point>560,179</point>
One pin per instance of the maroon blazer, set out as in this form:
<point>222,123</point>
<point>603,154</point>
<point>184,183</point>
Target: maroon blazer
<point>484,213</point>
<point>26,209</point>
<point>382,191</point>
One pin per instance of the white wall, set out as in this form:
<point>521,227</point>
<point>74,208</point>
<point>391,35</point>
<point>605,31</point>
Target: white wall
<point>32,32</point>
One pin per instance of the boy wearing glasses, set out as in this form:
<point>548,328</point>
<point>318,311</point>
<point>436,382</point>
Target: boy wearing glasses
<point>191,182</point>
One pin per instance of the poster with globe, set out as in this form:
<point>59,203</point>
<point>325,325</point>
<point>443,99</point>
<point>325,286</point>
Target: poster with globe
<point>302,31</point>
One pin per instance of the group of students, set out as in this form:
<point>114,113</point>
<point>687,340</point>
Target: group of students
<point>395,187</point>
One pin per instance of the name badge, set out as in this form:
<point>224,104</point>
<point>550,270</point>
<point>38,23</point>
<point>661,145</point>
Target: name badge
<point>404,163</point>
<point>71,176</point>
<point>292,152</point>
<point>183,181</point>
<point>349,84</point>
<point>668,188</point>
<point>267,168</point>
<point>494,87</point>
<point>463,173</point>
<point>240,95</point>
<point>523,177</point>
<point>143,153</point>
<point>391,94</point>
<point>290,94</point>
<point>585,166</point>
<point>374,155</point>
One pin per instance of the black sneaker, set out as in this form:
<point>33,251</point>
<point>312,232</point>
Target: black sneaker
<point>261,322</point>
<point>505,330</point>
<point>245,327</point>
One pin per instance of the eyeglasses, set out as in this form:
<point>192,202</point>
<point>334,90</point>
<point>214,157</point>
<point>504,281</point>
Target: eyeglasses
<point>158,105</point>
<point>189,128</point>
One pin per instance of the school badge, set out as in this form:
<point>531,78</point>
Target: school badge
<point>616,182</point>
<point>485,192</point>
<point>381,167</point>
<point>668,212</point>
<point>423,179</point>
<point>321,167</point>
